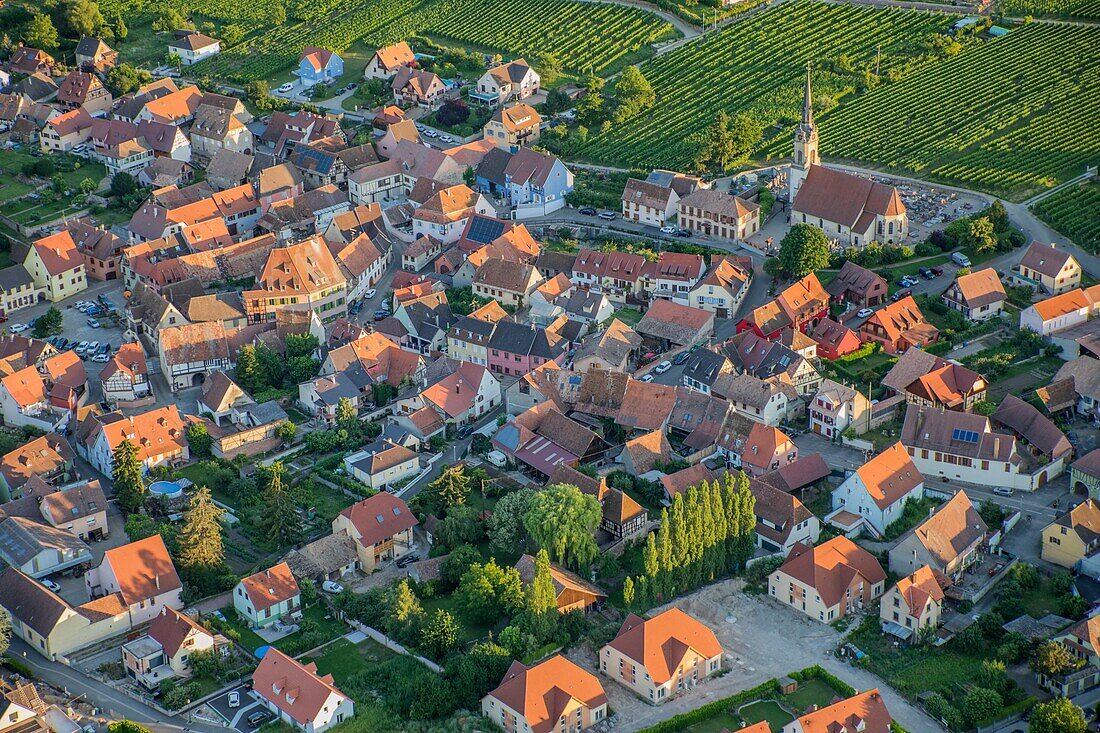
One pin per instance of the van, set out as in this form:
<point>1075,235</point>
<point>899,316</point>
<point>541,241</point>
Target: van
<point>960,259</point>
<point>1003,491</point>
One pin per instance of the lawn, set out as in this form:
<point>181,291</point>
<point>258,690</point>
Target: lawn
<point>768,710</point>
<point>470,630</point>
<point>718,724</point>
<point>810,692</point>
<point>329,627</point>
<point>629,316</point>
<point>342,658</point>
<point>1039,600</point>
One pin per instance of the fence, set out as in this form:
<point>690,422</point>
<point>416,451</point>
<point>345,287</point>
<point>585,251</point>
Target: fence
<point>389,643</point>
<point>857,443</point>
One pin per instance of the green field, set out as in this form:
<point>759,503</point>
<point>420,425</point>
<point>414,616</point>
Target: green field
<point>1075,212</point>
<point>732,70</point>
<point>584,36</point>
<point>1053,8</point>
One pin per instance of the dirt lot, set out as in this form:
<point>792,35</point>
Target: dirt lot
<point>762,639</point>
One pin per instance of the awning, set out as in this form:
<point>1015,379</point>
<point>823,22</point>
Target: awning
<point>897,630</point>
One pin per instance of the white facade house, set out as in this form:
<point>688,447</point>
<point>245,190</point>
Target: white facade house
<point>268,596</point>
<point>194,47</point>
<point>877,491</point>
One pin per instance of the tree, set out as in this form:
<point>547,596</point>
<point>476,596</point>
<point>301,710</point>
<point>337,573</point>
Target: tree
<point>279,519</point>
<point>590,107</point>
<point>981,704</point>
<point>1059,715</point>
<point>301,344</point>
<point>198,439</point>
<point>804,249</point>
<point>200,539</point>
<point>121,31</point>
<point>248,367</point>
<point>130,490</point>
<point>550,68</point>
<point>5,631</point>
<point>232,35</point>
<point>126,726</point>
<point>50,323</point>
<point>487,590</point>
<point>980,234</point>
<point>505,525</point>
<point>41,33</point>
<point>542,600</point>
<point>1052,659</point>
<point>440,634</point>
<point>77,18</point>
<point>728,142</point>
<point>452,487</point>
<point>634,94</point>
<point>406,615</point>
<point>87,186</point>
<point>174,59</point>
<point>563,521</point>
<point>302,368</point>
<point>453,112</point>
<point>456,565</point>
<point>286,431</point>
<point>469,176</point>
<point>123,184</point>
<point>460,527</point>
<point>278,15</point>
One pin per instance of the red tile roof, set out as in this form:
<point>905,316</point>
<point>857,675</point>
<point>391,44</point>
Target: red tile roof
<point>295,689</point>
<point>831,567</point>
<point>661,643</point>
<point>379,517</point>
<point>542,693</point>
<point>270,587</point>
<point>143,569</point>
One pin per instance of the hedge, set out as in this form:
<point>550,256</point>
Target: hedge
<point>16,665</point>
<point>1009,710</point>
<point>711,709</point>
<point>819,672</point>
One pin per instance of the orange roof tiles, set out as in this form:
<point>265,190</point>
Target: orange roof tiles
<point>543,692</point>
<point>379,517</point>
<point>831,567</point>
<point>58,253</point>
<point>1068,302</point>
<point>270,587</point>
<point>920,587</point>
<point>142,569</point>
<point>456,393</point>
<point>171,628</point>
<point>25,387</point>
<point>154,433</point>
<point>661,643</point>
<point>890,475</point>
<point>294,688</point>
<point>862,713</point>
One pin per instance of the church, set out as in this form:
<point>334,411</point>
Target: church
<point>851,210</point>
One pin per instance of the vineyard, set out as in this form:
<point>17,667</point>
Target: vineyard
<point>1053,8</point>
<point>1012,116</point>
<point>585,36</point>
<point>735,71</point>
<point>1075,212</point>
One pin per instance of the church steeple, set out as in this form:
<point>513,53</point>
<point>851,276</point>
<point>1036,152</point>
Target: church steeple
<point>807,101</point>
<point>805,141</point>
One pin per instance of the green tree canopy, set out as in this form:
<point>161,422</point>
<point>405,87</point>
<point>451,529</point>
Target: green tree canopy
<point>41,33</point>
<point>505,528</point>
<point>1052,659</point>
<point>279,517</point>
<point>452,487</point>
<point>130,491</point>
<point>804,249</point>
<point>77,18</point>
<point>728,142</point>
<point>50,323</point>
<point>563,521</point>
<point>542,600</point>
<point>488,590</point>
<point>981,235</point>
<point>440,633</point>
<point>1059,715</point>
<point>200,539</point>
<point>634,94</point>
<point>5,631</point>
<point>198,439</point>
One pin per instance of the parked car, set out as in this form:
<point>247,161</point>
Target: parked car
<point>91,348</point>
<point>352,87</point>
<point>371,292</point>
<point>901,294</point>
<point>1003,490</point>
<point>17,327</point>
<point>81,348</point>
<point>259,718</point>
<point>284,88</point>
<point>607,215</point>
<point>464,432</point>
<point>865,312</point>
<point>331,586</point>
<point>683,233</point>
<point>355,307</point>
<point>682,357</point>
<point>407,560</point>
<point>381,315</point>
<point>235,699</point>
<point>101,358</point>
<point>587,211</point>
<point>646,378</point>
<point>93,323</point>
<point>668,230</point>
<point>663,367</point>
<point>926,273</point>
<point>51,585</point>
<point>937,271</point>
<point>960,259</point>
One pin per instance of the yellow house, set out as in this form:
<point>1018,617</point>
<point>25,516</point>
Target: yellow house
<point>381,527</point>
<point>660,656</point>
<point>56,266</point>
<point>513,127</point>
<point>1073,536</point>
<point>1049,269</point>
<point>552,695</point>
<point>915,603</point>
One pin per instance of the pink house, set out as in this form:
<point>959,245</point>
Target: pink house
<point>516,348</point>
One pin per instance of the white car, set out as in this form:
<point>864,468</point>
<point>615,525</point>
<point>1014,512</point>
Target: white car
<point>646,378</point>
<point>663,367</point>
<point>431,133</point>
<point>370,294</point>
<point>865,312</point>
<point>668,230</point>
<point>235,699</point>
<point>286,87</point>
<point>101,358</point>
<point>446,138</point>
<point>17,327</point>
<point>331,586</point>
<point>51,585</point>
<point>81,348</point>
<point>419,126</point>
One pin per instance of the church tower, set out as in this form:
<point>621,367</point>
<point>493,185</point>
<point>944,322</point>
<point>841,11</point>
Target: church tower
<point>805,142</point>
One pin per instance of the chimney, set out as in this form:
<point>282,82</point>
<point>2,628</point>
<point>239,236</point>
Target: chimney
<point>996,446</point>
<point>156,579</point>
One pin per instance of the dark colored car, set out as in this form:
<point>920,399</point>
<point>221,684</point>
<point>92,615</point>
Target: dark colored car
<point>407,560</point>
<point>356,307</point>
<point>465,431</point>
<point>683,233</point>
<point>926,273</point>
<point>937,271</point>
<point>587,211</point>
<point>901,294</point>
<point>381,315</point>
<point>682,357</point>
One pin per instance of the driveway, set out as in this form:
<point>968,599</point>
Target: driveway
<point>236,718</point>
<point>762,640</point>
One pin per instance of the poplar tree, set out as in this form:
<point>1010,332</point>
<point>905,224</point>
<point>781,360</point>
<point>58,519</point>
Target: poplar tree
<point>746,528</point>
<point>200,539</point>
<point>280,520</point>
<point>679,535</point>
<point>542,601</point>
<point>628,592</point>
<point>650,562</point>
<point>664,556</point>
<point>130,491</point>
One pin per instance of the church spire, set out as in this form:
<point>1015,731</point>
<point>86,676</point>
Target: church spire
<point>807,101</point>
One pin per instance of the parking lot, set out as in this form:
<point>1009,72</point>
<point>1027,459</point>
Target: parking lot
<point>236,718</point>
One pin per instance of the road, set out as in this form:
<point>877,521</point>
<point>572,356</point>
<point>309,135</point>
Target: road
<point>111,703</point>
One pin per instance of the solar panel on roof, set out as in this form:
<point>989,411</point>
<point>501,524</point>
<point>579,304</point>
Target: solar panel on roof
<point>967,436</point>
<point>485,230</point>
